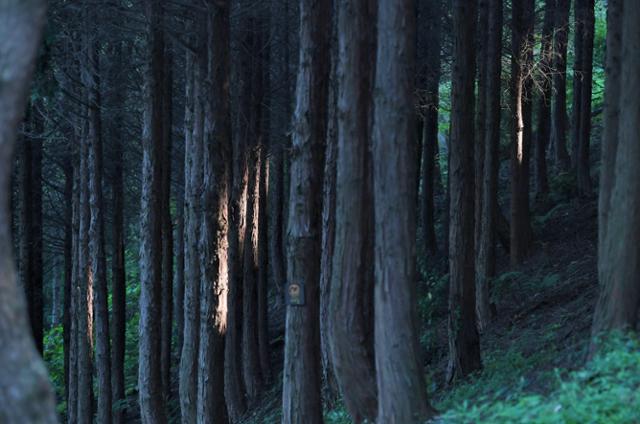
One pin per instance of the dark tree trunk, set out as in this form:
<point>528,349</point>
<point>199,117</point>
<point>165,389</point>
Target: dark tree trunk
<point>167,228</point>
<point>263,268</point>
<point>98,263</point>
<point>559,113</point>
<point>490,142</point>
<point>302,366</point>
<point>31,226</point>
<point>152,405</point>
<point>118,282</point>
<point>351,307</point>
<point>68,269</point>
<point>72,397</point>
<point>619,224</point>
<point>215,222</point>
<point>193,124</point>
<point>464,342</point>
<point>84,291</point>
<point>25,393</point>
<point>399,373</point>
<point>521,63</point>
<point>544,101</point>
<point>584,78</point>
<point>433,16</point>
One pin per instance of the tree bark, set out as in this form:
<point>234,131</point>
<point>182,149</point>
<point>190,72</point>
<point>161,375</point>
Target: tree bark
<point>559,113</point>
<point>399,374</point>
<point>351,317</point>
<point>215,219</point>
<point>583,125</point>
<point>166,224</point>
<point>433,15</point>
<point>68,269</point>
<point>302,367</point>
<point>118,283</point>
<point>521,63</point>
<point>618,252</point>
<point>192,221</point>
<point>490,142</point>
<point>98,270</point>
<point>25,392</point>
<point>464,342</point>
<point>152,405</point>
<point>544,100</point>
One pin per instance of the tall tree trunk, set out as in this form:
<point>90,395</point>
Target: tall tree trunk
<point>152,405</point>
<point>98,261</point>
<point>215,221</point>
<point>302,367</point>
<point>399,372</point>
<point>521,63</point>
<point>464,342</point>
<point>167,228</point>
<point>433,16</point>
<point>263,267</point>
<point>68,269</point>
<point>544,100</point>
<point>585,80</point>
<point>85,290</point>
<point>234,384</point>
<point>118,283</point>
<point>351,317</point>
<point>619,222</point>
<point>31,227</point>
<point>559,113</point>
<point>193,124</point>
<point>490,142</point>
<point>72,397</point>
<point>330,390</point>
<point>25,393</point>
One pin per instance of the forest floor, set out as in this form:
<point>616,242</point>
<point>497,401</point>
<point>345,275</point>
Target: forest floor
<point>539,335</point>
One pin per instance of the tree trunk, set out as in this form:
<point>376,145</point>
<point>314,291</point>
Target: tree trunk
<point>72,397</point>
<point>399,373</point>
<point>192,222</point>
<point>330,389</point>
<point>25,393</point>
<point>234,384</point>
<point>118,283</point>
<point>215,222</point>
<point>433,15</point>
<point>98,265</point>
<point>263,268</point>
<point>544,101</point>
<point>559,113</point>
<point>618,252</point>
<point>585,80</point>
<point>302,367</point>
<point>166,225</point>
<point>152,405</point>
<point>68,269</point>
<point>31,227</point>
<point>351,317</point>
<point>490,142</point>
<point>85,291</point>
<point>521,63</point>
<point>464,342</point>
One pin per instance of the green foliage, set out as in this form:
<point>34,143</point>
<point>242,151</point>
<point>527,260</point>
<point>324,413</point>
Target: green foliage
<point>606,390</point>
<point>54,359</point>
<point>338,415</point>
<point>563,187</point>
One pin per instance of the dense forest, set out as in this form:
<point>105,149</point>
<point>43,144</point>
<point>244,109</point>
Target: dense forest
<point>319,211</point>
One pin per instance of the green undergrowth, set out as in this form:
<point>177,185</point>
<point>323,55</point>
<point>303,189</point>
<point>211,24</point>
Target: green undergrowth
<point>605,390</point>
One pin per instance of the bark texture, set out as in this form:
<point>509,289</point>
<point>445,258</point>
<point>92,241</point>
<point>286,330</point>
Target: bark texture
<point>302,366</point>
<point>559,113</point>
<point>152,405</point>
<point>399,373</point>
<point>25,392</point>
<point>521,63</point>
<point>351,304</point>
